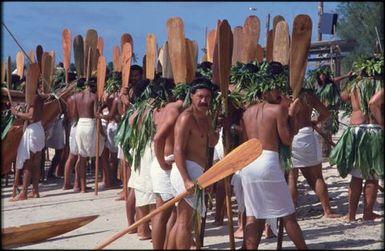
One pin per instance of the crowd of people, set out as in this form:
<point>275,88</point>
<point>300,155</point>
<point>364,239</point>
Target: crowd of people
<point>156,135</point>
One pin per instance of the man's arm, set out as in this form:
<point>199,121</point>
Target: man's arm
<point>286,124</point>
<point>375,104</point>
<point>181,132</point>
<point>323,112</point>
<point>336,80</point>
<point>23,115</point>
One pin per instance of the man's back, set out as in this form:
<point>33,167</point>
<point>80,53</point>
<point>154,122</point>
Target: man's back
<point>85,104</point>
<point>266,122</point>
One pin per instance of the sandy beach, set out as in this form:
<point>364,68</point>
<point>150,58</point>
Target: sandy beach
<point>319,233</point>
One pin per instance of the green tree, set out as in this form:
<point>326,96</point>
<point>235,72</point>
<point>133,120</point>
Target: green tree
<point>357,21</point>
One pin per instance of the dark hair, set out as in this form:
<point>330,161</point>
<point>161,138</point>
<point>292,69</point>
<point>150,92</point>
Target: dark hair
<point>138,89</point>
<point>202,83</point>
<point>205,65</point>
<point>162,88</point>
<point>136,67</point>
<point>274,68</point>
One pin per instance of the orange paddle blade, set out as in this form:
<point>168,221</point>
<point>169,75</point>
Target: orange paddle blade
<point>150,56</point>
<point>31,56</point>
<point>66,44</point>
<point>20,64</point>
<point>101,77</point>
<point>281,45</point>
<point>126,63</point>
<point>237,44</point>
<point>177,48</point>
<point>100,46</point>
<point>211,38</point>
<point>33,74</point>
<point>79,56</point>
<point>39,55</point>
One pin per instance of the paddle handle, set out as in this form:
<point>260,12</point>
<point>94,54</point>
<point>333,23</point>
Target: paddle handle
<point>97,156</point>
<point>143,220</point>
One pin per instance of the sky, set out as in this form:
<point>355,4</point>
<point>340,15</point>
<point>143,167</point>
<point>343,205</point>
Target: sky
<point>42,23</point>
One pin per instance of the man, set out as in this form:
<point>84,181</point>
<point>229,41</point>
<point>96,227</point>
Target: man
<point>164,119</point>
<point>86,109</point>
<point>73,151</point>
<point>193,134</point>
<point>30,147</point>
<point>306,151</point>
<point>354,159</point>
<point>136,74</point>
<point>376,105</point>
<point>266,194</point>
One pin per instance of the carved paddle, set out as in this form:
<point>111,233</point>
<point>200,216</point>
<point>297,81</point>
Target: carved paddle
<point>126,63</point>
<point>237,159</point>
<point>150,56</point>
<point>79,56</point>
<point>39,54</point>
<point>20,64</point>
<point>177,48</point>
<point>66,44</point>
<point>281,45</point>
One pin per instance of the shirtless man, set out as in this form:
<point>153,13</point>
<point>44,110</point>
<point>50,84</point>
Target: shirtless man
<point>306,151</point>
<point>376,105</point>
<point>266,194</point>
<point>361,122</point>
<point>73,152</point>
<point>164,119</point>
<point>193,134</point>
<point>30,147</point>
<point>86,110</point>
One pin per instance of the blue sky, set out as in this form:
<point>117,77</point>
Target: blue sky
<point>34,23</point>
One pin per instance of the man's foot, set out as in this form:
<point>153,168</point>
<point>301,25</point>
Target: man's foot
<point>87,189</point>
<point>76,189</point>
<point>347,218</point>
<point>268,232</point>
<point>145,236</point>
<point>238,234</point>
<point>33,195</point>
<point>121,197</point>
<point>133,231</point>
<point>66,187</point>
<point>331,216</point>
<point>18,197</point>
<point>371,217</point>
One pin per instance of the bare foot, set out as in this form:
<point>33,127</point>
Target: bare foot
<point>348,219</point>
<point>18,197</point>
<point>33,195</point>
<point>76,189</point>
<point>331,216</point>
<point>371,217</point>
<point>238,234</point>
<point>145,237</point>
<point>133,231</point>
<point>121,197</point>
<point>268,232</point>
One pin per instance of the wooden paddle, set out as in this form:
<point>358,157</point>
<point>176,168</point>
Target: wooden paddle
<point>177,49</point>
<point>116,59</point>
<point>126,38</point>
<point>2,72</point>
<point>126,63</point>
<point>91,42</point>
<point>66,45</point>
<point>211,38</point>
<point>232,162</point>
<point>215,65</point>
<point>191,60</point>
<point>299,51</point>
<point>39,54</point>
<point>260,53</point>
<point>150,56</point>
<point>251,36</point>
<point>101,78</point>
<point>53,65</point>
<point>46,64</point>
<point>20,64</point>
<point>33,75</point>
<point>269,46</point>
<point>281,45</point>
<point>37,232</point>
<point>166,66</point>
<point>238,44</point>
<point>100,46</point>
<point>79,56</point>
<point>225,51</point>
<point>31,56</point>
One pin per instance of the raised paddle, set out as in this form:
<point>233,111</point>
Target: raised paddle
<point>91,41</point>
<point>2,71</point>
<point>177,49</point>
<point>79,55</point>
<point>251,36</point>
<point>281,45</point>
<point>100,46</point>
<point>66,44</point>
<point>260,53</point>
<point>191,60</point>
<point>53,65</point>
<point>39,54</point>
<point>225,51</point>
<point>9,78</point>
<point>237,44</point>
<point>31,56</point>
<point>20,64</point>
<point>126,38</point>
<point>46,64</point>
<point>150,56</point>
<point>269,46</point>
<point>166,65</point>
<point>232,162</point>
<point>211,38</point>
<point>116,59</point>
<point>126,63</point>
<point>101,77</point>
<point>299,52</point>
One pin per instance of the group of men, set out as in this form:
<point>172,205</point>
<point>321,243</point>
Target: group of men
<point>177,155</point>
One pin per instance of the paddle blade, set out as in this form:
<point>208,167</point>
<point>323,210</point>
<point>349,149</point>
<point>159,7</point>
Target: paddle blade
<point>166,62</point>
<point>9,73</point>
<point>225,51</point>
<point>234,161</point>
<point>177,48</point>
<point>269,46</point>
<point>66,44</point>
<point>2,72</point>
<point>101,77</point>
<point>150,56</point>
<point>39,55</point>
<point>33,74</point>
<point>116,59</point>
<point>46,71</point>
<point>91,41</point>
<point>260,53</point>
<point>251,37</point>
<point>31,56</point>
<point>53,65</point>
<point>299,51</point>
<point>79,55</point>
<point>126,38</point>
<point>281,45</point>
<point>191,59</point>
<point>211,38</point>
<point>126,63</point>
<point>100,46</point>
<point>20,64</point>
<point>237,44</point>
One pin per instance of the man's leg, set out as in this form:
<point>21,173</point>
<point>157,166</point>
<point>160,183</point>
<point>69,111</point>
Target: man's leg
<point>355,189</point>
<point>54,164</point>
<point>292,184</point>
<point>370,197</point>
<point>113,164</point>
<point>130,209</point>
<point>159,225</point>
<point>67,171</point>
<point>253,231</point>
<point>81,170</point>
<point>184,226</point>
<point>144,231</point>
<point>219,203</point>
<point>36,160</point>
<point>26,181</point>
<point>294,231</point>
<point>170,225</point>
<point>313,175</point>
